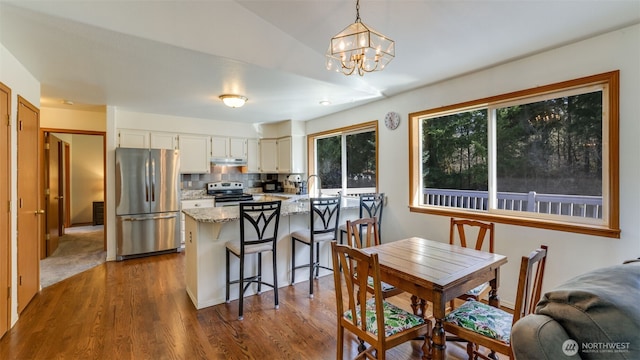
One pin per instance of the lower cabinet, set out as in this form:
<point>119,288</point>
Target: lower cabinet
<point>192,204</point>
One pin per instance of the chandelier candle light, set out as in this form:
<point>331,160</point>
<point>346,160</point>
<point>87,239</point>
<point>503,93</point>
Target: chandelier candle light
<point>359,48</point>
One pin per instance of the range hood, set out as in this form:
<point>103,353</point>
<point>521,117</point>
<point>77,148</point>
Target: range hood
<point>228,161</point>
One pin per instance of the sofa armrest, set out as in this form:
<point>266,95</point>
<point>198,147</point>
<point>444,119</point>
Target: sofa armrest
<point>539,337</point>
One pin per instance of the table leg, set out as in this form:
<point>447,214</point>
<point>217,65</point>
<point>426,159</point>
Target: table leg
<point>438,340</point>
<point>494,300</point>
<point>420,308</point>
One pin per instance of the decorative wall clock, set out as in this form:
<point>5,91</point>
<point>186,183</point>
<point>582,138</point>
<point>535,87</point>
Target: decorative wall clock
<point>392,120</point>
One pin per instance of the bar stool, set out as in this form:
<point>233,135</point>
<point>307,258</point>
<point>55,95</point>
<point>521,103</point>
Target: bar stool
<point>370,207</point>
<point>258,233</point>
<point>324,214</point>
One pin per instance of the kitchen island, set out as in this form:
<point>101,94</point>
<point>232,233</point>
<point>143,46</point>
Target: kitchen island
<point>207,230</point>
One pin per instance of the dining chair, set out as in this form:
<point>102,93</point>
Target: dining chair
<point>483,325</point>
<point>324,214</point>
<point>258,233</point>
<point>364,233</point>
<point>370,206</point>
<point>378,323</point>
<point>458,236</point>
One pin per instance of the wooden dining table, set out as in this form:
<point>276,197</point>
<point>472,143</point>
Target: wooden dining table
<point>437,272</point>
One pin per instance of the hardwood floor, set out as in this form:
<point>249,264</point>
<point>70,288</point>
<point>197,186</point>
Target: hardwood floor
<point>139,309</point>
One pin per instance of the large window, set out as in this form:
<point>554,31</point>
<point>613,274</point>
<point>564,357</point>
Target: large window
<point>545,157</point>
<point>345,159</point>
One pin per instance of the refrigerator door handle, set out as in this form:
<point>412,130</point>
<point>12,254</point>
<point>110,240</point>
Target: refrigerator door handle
<point>157,217</point>
<point>153,180</point>
<point>146,180</point>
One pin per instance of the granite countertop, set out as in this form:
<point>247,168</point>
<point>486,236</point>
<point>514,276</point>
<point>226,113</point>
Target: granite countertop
<point>293,205</point>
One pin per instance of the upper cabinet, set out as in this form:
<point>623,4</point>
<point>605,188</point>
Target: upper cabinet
<point>283,155</point>
<point>143,139</point>
<point>268,155</point>
<point>238,148</point>
<point>161,140</point>
<point>226,147</point>
<point>253,156</point>
<point>219,147</point>
<point>291,155</point>
<point>133,139</point>
<point>195,154</point>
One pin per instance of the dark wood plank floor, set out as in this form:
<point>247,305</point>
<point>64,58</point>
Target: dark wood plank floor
<point>139,309</point>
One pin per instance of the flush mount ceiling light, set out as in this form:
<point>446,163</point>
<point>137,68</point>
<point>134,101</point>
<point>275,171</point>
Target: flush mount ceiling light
<point>359,48</point>
<point>234,101</point>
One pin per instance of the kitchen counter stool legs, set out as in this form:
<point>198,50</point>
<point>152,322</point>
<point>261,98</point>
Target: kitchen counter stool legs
<point>258,234</point>
<point>324,214</point>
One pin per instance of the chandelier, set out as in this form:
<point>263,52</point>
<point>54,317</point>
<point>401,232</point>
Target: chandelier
<point>359,48</point>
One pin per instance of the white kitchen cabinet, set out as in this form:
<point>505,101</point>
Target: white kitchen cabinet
<point>128,138</point>
<point>268,155</point>
<point>253,156</point>
<point>238,148</point>
<point>195,154</point>
<point>219,147</point>
<point>291,155</point>
<point>284,155</point>
<point>162,140</point>
<point>144,139</point>
<point>193,204</point>
<point>228,147</point>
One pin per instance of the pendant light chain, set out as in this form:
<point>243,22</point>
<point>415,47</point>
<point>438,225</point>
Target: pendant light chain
<point>358,11</point>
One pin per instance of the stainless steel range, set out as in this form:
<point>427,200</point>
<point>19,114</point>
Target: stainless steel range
<point>228,193</point>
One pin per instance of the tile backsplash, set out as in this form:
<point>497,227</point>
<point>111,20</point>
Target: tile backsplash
<point>223,173</point>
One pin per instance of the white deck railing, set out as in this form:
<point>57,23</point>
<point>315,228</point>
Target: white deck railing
<point>572,205</point>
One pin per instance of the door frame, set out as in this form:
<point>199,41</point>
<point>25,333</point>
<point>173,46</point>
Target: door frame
<point>104,168</point>
<point>5,249</point>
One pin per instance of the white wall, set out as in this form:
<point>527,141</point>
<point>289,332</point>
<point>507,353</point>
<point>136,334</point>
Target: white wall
<point>569,254</point>
<point>22,83</point>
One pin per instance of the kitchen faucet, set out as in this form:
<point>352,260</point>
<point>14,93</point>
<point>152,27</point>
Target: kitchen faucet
<point>318,182</point>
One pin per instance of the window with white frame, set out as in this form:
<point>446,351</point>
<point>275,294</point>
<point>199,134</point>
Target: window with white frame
<point>544,157</point>
<point>345,159</point>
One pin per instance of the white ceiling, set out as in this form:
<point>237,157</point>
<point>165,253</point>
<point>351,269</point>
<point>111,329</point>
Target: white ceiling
<point>177,57</point>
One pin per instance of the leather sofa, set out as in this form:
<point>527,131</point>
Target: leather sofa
<point>592,316</point>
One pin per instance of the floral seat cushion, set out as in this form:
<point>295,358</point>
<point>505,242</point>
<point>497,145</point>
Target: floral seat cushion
<point>395,319</point>
<point>483,319</point>
<point>476,291</point>
<point>385,286</point>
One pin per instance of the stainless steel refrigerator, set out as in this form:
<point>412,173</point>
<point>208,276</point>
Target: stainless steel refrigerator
<point>147,201</point>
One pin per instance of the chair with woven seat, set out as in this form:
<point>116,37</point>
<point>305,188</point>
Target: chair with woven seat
<point>364,233</point>
<point>483,325</point>
<point>370,207</point>
<point>324,214</point>
<point>383,325</point>
<point>458,227</point>
<point>258,233</point>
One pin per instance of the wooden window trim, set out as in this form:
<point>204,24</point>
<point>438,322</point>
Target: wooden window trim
<point>611,229</point>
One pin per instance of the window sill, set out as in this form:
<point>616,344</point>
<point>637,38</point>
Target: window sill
<point>519,221</point>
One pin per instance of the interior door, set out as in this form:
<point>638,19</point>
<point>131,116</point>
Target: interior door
<point>5,212</point>
<point>29,210</point>
<point>54,198</point>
